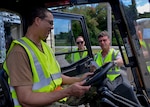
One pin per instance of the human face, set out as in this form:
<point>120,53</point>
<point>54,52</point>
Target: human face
<point>49,21</point>
<point>104,42</point>
<point>80,43</point>
<point>47,25</point>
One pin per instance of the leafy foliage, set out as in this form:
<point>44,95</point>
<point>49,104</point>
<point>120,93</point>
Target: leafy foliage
<point>96,20</point>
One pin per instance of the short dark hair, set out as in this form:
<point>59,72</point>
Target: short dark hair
<point>103,33</point>
<point>36,12</point>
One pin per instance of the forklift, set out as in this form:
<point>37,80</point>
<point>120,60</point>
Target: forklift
<point>104,93</point>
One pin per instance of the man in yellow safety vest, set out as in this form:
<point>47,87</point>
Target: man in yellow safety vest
<point>34,75</point>
<point>108,54</point>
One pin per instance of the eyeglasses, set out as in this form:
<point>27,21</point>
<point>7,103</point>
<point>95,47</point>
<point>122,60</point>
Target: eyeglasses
<point>49,21</point>
<point>79,42</point>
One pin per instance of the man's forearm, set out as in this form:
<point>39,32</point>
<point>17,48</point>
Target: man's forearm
<point>119,62</point>
<point>70,80</point>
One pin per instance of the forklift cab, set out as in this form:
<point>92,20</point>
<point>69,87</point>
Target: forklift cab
<point>68,26</point>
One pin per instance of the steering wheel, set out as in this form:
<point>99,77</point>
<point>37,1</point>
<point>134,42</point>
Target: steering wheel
<point>99,75</point>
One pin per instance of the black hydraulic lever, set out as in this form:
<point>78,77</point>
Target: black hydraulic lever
<point>108,102</point>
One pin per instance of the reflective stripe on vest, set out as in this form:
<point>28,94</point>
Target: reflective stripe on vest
<point>114,72</point>
<point>43,81</point>
<point>43,84</point>
<point>113,57</point>
<point>16,103</point>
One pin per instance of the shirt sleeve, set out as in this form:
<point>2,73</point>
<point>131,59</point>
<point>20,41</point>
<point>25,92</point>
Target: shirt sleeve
<point>19,67</point>
<point>118,55</point>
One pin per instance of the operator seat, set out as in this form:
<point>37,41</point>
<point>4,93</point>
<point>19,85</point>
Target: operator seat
<point>120,90</point>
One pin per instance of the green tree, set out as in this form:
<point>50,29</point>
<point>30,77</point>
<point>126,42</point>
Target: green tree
<point>95,17</point>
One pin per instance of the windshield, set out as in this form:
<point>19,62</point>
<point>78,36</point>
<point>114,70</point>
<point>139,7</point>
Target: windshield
<point>137,16</point>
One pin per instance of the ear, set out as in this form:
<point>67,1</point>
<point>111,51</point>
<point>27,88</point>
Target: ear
<point>37,20</point>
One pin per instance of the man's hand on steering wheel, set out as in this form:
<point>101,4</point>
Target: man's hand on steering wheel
<point>86,75</point>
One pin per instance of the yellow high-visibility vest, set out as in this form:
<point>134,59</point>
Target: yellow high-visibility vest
<point>145,46</point>
<point>114,72</point>
<point>45,69</point>
<point>76,56</point>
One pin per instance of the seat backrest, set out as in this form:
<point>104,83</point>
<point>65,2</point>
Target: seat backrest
<point>5,94</point>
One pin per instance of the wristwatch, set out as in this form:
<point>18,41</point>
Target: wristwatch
<point>115,63</point>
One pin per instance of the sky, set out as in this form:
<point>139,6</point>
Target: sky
<point>64,25</point>
<point>143,6</point>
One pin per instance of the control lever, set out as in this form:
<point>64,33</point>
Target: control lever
<point>106,93</point>
<point>105,100</point>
